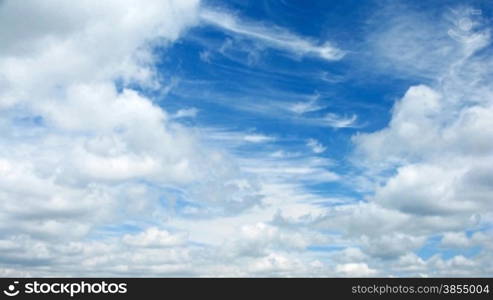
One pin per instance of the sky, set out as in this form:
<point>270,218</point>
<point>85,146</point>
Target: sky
<point>246,138</point>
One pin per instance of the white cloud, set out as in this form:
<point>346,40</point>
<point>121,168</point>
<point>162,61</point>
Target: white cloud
<point>315,146</point>
<point>84,43</point>
<point>260,239</point>
<point>186,113</point>
<point>205,56</point>
<point>304,107</point>
<point>257,138</point>
<point>271,36</point>
<point>413,187</point>
<point>355,270</point>
<point>154,238</point>
<point>336,121</point>
<point>462,240</point>
<point>293,170</point>
<point>307,106</point>
<point>455,240</point>
<point>411,131</point>
<point>434,155</point>
<point>391,245</point>
<point>350,255</point>
<point>278,104</point>
<point>98,155</point>
<point>92,135</point>
<point>406,41</point>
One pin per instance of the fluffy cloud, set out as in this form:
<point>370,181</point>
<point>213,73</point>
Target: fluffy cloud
<point>427,172</point>
<point>153,237</point>
<point>83,43</point>
<point>355,270</point>
<point>436,142</point>
<point>89,151</point>
<point>102,160</point>
<point>437,148</point>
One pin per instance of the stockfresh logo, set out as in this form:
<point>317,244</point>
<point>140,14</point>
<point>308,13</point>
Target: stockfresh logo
<point>12,290</point>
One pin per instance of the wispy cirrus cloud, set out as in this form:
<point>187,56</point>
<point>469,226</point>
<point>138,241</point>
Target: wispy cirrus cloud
<point>258,138</point>
<point>306,106</point>
<point>303,109</point>
<point>337,121</point>
<point>236,138</point>
<point>271,36</point>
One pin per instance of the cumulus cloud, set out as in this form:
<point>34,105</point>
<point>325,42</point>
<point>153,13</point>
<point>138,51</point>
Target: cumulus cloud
<point>93,154</point>
<point>430,146</point>
<point>153,237</point>
<point>462,240</point>
<point>455,240</point>
<point>391,245</point>
<point>355,270</point>
<point>429,169</point>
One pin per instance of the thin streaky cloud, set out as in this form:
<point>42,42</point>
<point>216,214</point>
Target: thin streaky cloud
<point>233,138</point>
<point>307,106</point>
<point>336,121</point>
<point>275,108</point>
<point>273,36</point>
<point>258,138</point>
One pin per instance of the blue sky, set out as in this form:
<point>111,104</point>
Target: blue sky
<point>246,138</point>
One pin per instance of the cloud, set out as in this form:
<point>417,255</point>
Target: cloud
<point>205,56</point>
<point>143,194</point>
<point>90,144</point>
<point>232,139</point>
<point>391,245</point>
<point>72,33</point>
<point>296,169</point>
<point>355,270</point>
<point>411,124</point>
<point>306,107</point>
<point>462,240</point>
<point>455,240</point>
<point>434,148</point>
<point>315,146</point>
<point>154,238</point>
<point>93,140</point>
<point>186,113</point>
<point>260,239</point>
<point>271,36</point>
<point>257,138</point>
<point>335,121</point>
<point>415,42</point>
<point>287,106</point>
